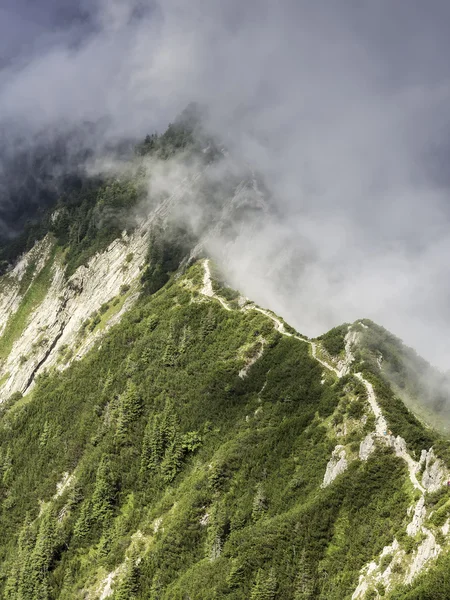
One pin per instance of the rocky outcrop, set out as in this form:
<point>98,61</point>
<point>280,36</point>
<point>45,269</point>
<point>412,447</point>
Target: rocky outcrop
<point>336,465</point>
<point>418,518</point>
<point>57,321</point>
<point>344,366</point>
<point>252,360</point>
<point>367,446</point>
<point>428,550</point>
<point>374,573</point>
<point>13,285</point>
<point>434,472</point>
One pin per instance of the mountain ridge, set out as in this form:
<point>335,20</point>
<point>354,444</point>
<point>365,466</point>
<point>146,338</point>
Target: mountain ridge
<point>163,436</point>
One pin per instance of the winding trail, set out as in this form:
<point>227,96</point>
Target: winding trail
<point>429,547</point>
<point>207,289</point>
<point>380,422</point>
<point>381,428</point>
<point>322,362</point>
<point>398,444</point>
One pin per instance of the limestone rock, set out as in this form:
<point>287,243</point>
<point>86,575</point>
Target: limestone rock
<point>418,518</point>
<point>336,465</point>
<point>428,550</point>
<point>434,474</point>
<point>367,446</point>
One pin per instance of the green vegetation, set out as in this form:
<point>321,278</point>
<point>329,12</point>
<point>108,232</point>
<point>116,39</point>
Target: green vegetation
<point>334,341</point>
<point>421,387</point>
<point>157,428</point>
<point>88,222</point>
<point>400,419</point>
<point>167,248</point>
<point>400,378</point>
<point>433,585</point>
<point>154,464</point>
<point>185,134</point>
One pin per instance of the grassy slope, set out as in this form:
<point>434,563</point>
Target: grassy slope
<point>34,294</point>
<point>419,385</point>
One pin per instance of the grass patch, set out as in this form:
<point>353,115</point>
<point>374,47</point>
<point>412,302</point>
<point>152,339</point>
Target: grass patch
<point>34,295</point>
<point>4,379</point>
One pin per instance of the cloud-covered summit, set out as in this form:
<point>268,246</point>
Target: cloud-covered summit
<point>344,108</point>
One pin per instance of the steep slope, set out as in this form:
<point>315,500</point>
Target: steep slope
<point>162,436</point>
<point>428,474</point>
<point>64,293</point>
<point>204,449</point>
<point>422,387</point>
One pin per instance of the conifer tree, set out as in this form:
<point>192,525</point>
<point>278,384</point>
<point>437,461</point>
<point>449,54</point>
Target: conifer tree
<point>19,584</point>
<point>305,585</point>
<point>259,503</point>
<point>84,522</point>
<point>173,459</point>
<point>129,409</point>
<point>235,577</point>
<point>265,586</point>
<point>156,591</point>
<point>103,497</point>
<point>152,445</point>
<point>129,585</point>
<point>43,554</point>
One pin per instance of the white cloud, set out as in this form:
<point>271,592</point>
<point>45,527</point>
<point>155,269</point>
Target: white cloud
<point>344,111</point>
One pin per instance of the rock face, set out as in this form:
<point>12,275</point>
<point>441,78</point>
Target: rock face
<point>367,446</point>
<point>12,284</point>
<point>434,473</point>
<point>336,465</point>
<point>418,518</point>
<point>56,322</point>
<point>428,550</point>
<point>373,574</point>
<point>351,340</point>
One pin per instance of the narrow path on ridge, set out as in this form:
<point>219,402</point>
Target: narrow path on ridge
<point>398,444</point>
<point>207,289</point>
<point>381,428</point>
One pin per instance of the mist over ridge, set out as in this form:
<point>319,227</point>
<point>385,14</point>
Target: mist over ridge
<point>342,112</point>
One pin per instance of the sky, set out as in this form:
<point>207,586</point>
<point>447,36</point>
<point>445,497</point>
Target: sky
<point>343,107</point>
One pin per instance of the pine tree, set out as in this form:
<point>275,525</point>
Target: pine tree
<point>45,435</point>
<point>103,497</point>
<point>129,409</point>
<point>209,323</point>
<point>170,355</point>
<point>173,459</point>
<point>215,532</point>
<point>152,445</point>
<point>235,577</point>
<point>185,339</point>
<point>129,585</point>
<point>19,584</point>
<point>305,584</point>
<point>259,503</point>
<point>35,574</point>
<point>265,586</point>
<point>156,591</point>
<point>84,522</point>
<point>6,468</point>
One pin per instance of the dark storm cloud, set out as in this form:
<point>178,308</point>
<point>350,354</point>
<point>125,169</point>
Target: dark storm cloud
<point>343,106</point>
